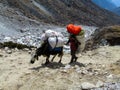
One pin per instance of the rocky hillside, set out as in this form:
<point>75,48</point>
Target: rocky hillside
<point>106,4</point>
<point>117,10</point>
<point>107,35</point>
<point>63,12</point>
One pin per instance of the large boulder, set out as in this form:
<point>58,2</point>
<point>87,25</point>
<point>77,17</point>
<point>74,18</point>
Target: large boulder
<point>110,34</point>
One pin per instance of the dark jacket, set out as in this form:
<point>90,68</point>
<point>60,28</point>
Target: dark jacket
<point>74,43</point>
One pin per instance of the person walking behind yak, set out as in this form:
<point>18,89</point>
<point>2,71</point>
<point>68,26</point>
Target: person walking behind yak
<point>74,43</point>
<point>74,31</point>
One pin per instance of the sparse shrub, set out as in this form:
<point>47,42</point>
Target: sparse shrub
<point>1,45</point>
<point>15,45</point>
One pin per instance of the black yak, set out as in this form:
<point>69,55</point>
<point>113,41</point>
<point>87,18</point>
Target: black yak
<point>46,50</point>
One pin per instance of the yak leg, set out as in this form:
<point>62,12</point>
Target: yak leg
<point>47,60</point>
<point>33,59</point>
<point>60,57</point>
<point>53,57</point>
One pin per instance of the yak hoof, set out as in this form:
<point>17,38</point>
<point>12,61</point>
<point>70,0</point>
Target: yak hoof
<point>37,57</point>
<point>70,62</point>
<point>59,62</point>
<point>46,63</point>
<point>32,62</point>
<point>52,60</point>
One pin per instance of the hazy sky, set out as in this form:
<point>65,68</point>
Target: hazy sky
<point>117,2</point>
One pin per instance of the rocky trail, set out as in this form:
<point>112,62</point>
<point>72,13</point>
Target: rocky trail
<point>95,70</point>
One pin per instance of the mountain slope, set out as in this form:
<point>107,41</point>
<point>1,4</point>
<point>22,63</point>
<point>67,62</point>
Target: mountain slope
<point>63,12</point>
<point>117,10</point>
<point>106,4</point>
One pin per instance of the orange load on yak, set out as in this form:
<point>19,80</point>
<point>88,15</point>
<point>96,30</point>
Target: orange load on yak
<point>73,29</point>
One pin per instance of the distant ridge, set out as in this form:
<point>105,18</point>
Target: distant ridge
<point>117,10</point>
<point>62,12</point>
<point>106,4</point>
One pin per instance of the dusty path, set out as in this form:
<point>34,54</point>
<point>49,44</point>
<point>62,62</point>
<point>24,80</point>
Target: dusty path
<point>101,65</point>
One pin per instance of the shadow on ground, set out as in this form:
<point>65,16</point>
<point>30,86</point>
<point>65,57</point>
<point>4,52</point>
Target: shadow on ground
<point>78,64</point>
<point>53,65</point>
<point>56,65</point>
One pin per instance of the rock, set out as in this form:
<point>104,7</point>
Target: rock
<point>9,51</point>
<point>90,70</point>
<point>96,73</point>
<point>117,85</point>
<point>29,52</point>
<point>110,76</point>
<point>67,66</point>
<point>6,48</point>
<point>99,84</point>
<point>84,72</point>
<point>16,49</point>
<point>78,70</point>
<point>63,71</point>
<point>112,86</point>
<point>87,86</point>
<point>76,67</point>
<point>26,49</point>
<point>6,39</point>
<point>107,35</point>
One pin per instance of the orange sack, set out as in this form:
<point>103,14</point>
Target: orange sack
<point>73,29</point>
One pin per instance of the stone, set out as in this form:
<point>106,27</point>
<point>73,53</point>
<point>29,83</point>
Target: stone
<point>110,76</point>
<point>87,86</point>
<point>16,49</point>
<point>9,51</point>
<point>99,84</point>
<point>6,48</point>
<point>67,67</point>
<point>6,39</point>
<point>84,72</point>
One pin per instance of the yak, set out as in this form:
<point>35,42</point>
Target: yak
<point>46,50</point>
